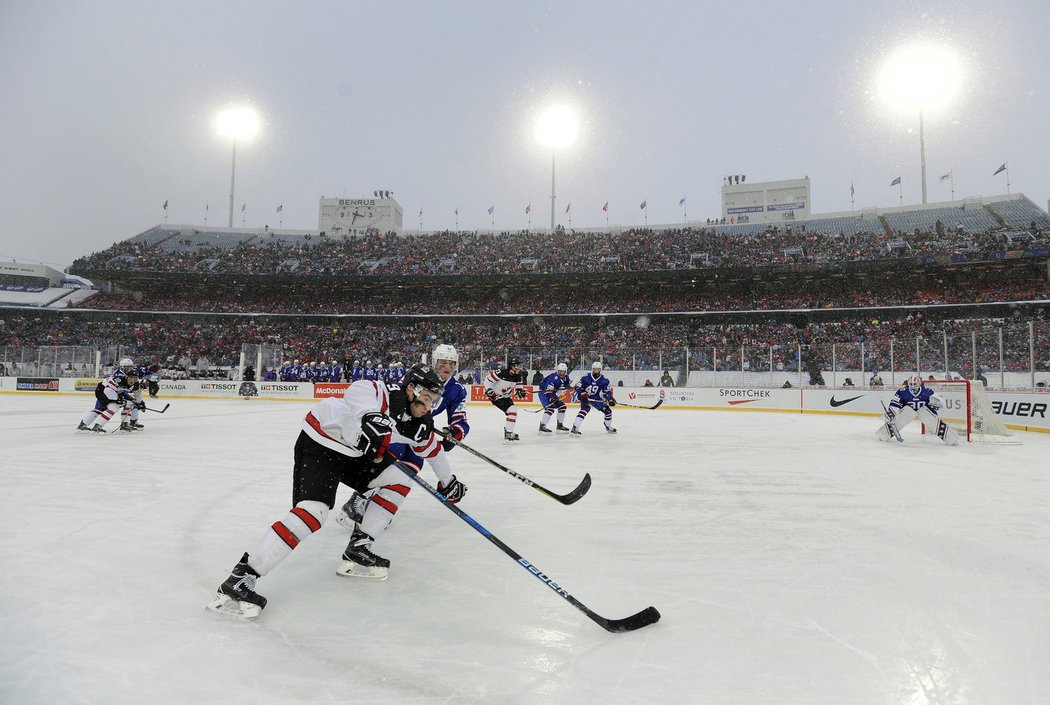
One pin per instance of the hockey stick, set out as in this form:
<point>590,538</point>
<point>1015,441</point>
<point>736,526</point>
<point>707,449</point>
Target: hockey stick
<point>648,616</point>
<point>158,411</point>
<point>637,406</point>
<point>892,426</point>
<point>576,494</point>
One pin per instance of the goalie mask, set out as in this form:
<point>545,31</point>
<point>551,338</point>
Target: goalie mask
<point>915,384</point>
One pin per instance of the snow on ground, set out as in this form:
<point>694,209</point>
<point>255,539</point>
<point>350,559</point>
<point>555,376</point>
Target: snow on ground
<point>794,560</point>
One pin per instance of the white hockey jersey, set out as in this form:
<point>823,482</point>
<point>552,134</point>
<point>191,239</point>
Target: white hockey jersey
<point>335,423</point>
<point>502,383</point>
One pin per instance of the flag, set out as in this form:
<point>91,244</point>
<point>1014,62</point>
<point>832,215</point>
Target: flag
<point>645,204</point>
<point>165,205</point>
<point>456,212</point>
<point>492,209</point>
<point>606,207</point>
<point>243,206</point>
<point>280,208</point>
<point>851,189</point>
<point>681,201</point>
<point>205,206</point>
<point>1000,169</point>
<point>421,211</point>
<point>528,209</point>
<point>946,176</point>
<point>568,206</point>
<point>896,182</point>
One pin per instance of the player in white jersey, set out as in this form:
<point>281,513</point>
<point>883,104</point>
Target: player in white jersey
<point>112,395</point>
<point>351,440</point>
<point>502,386</point>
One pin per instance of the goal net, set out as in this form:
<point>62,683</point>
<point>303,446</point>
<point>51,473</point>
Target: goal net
<point>968,410</point>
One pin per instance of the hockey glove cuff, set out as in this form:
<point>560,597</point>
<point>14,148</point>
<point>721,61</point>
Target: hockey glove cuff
<point>453,491</point>
<point>375,435</point>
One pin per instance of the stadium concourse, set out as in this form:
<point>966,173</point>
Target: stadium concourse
<point>793,557</point>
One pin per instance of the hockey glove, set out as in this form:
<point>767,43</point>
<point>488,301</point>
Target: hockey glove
<point>611,402</point>
<point>519,393</point>
<point>453,491</point>
<point>140,405</point>
<point>583,398</point>
<point>491,395</point>
<point>935,402</point>
<point>454,432</point>
<point>375,435</point>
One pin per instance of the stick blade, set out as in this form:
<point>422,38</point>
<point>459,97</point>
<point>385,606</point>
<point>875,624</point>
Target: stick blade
<point>658,403</point>
<point>577,494</point>
<point>650,615</point>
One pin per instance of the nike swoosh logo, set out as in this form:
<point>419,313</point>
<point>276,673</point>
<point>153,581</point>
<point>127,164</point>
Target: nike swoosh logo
<point>742,401</point>
<point>836,402</point>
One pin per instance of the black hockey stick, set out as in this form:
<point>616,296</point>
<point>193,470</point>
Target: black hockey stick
<point>158,411</point>
<point>636,406</point>
<point>894,431</point>
<point>576,494</point>
<point>648,616</point>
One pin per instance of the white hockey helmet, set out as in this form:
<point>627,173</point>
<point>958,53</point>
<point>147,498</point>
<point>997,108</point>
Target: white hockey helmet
<point>445,352</point>
<point>296,362</point>
<point>915,384</point>
<point>562,368</point>
<point>596,367</point>
<point>125,363</point>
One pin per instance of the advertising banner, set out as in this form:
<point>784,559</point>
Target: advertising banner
<point>323,390</point>
<point>85,385</point>
<point>37,384</point>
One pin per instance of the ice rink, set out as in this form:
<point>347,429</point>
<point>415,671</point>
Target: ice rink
<point>793,557</point>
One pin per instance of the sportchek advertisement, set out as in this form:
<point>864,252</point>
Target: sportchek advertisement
<point>36,384</point>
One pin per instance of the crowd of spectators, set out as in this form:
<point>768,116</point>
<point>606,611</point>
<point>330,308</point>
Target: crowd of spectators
<point>640,343</point>
<point>561,300</point>
<point>633,250</point>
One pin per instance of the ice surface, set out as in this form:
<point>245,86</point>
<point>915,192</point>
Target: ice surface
<point>794,558</point>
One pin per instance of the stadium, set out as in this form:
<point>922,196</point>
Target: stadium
<point>755,443</point>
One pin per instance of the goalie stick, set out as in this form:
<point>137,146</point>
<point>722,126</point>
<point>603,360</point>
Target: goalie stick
<point>892,426</point>
<point>648,616</point>
<point>575,495</point>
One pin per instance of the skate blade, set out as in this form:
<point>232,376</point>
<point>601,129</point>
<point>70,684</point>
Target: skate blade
<point>349,569</point>
<point>345,521</point>
<point>224,604</point>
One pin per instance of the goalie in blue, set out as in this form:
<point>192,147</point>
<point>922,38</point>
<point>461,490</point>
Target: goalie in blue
<point>912,400</point>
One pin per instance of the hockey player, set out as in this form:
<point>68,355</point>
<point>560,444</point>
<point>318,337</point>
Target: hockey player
<point>911,400</point>
<point>453,397</point>
<point>356,372</point>
<point>349,440</point>
<point>111,395</point>
<point>595,390</point>
<point>153,380</point>
<point>501,388</point>
<point>550,386</point>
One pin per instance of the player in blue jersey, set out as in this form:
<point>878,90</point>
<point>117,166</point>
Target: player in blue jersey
<point>915,399</point>
<point>550,388</point>
<point>454,396</point>
<point>594,389</point>
<point>111,395</point>
<point>356,371</point>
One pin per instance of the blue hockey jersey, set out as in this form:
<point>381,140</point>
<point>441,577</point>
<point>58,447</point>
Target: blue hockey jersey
<point>551,385</point>
<point>904,397</point>
<point>454,403</point>
<point>597,390</point>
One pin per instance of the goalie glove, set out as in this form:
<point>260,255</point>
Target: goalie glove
<point>453,491</point>
<point>375,435</point>
<point>935,402</point>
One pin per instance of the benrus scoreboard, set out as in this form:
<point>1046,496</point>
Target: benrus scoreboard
<point>354,216</point>
<point>766,202</point>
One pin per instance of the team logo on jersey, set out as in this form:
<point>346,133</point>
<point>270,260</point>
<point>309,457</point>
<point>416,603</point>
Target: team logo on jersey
<point>839,402</point>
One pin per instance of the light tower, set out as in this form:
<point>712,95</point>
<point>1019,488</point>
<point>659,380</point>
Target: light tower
<point>920,78</point>
<point>238,123</point>
<point>557,127</point>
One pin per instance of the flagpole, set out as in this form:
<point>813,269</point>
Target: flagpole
<point>900,189</point>
<point>457,218</point>
<point>951,175</point>
<point>922,156</point>
<point>205,212</point>
<point>1007,178</point>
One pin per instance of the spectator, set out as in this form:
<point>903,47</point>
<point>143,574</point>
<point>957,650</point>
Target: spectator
<point>665,380</point>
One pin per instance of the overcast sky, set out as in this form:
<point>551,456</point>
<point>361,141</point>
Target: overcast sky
<point>108,109</point>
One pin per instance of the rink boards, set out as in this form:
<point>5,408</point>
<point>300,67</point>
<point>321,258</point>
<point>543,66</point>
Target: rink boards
<point>1023,411</point>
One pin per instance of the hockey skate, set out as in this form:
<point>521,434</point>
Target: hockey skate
<point>98,429</point>
<point>353,511</point>
<point>562,427</point>
<point>236,596</point>
<point>610,429</point>
<point>575,432</point>
<point>125,426</point>
<point>136,424</point>
<point>544,429</point>
<point>510,436</point>
<point>360,562</point>
<point>83,427</point>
